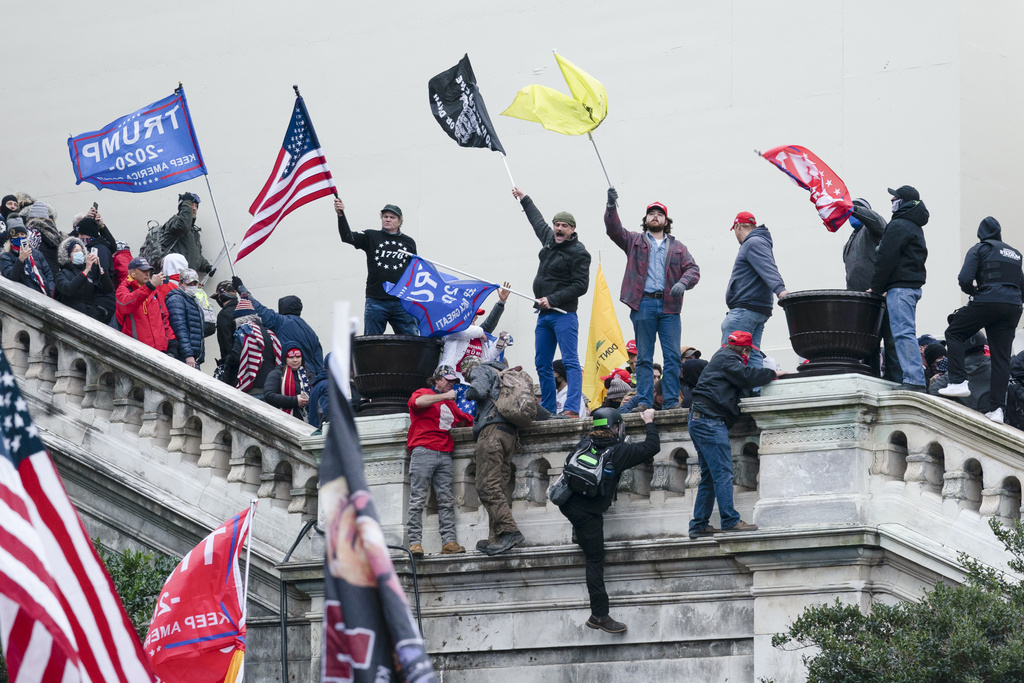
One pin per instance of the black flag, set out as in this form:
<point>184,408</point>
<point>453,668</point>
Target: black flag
<point>369,633</point>
<point>456,104</point>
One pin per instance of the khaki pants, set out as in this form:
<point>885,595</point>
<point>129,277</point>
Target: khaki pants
<point>494,449</point>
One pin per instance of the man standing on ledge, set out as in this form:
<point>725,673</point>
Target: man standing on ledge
<point>384,263</point>
<point>754,278</point>
<point>899,275</point>
<point>562,278</point>
<point>727,378</point>
<point>659,270</point>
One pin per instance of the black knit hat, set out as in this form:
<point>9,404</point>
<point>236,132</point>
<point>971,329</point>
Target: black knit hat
<point>88,227</point>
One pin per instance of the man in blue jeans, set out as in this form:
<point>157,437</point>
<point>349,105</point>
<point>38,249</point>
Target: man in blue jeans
<point>562,278</point>
<point>385,262</point>
<point>754,279</point>
<point>729,376</point>
<point>659,270</point>
<point>899,275</point>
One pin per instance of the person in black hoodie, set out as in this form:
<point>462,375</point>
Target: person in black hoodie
<point>587,513</point>
<point>562,278</point>
<point>384,263</point>
<point>227,298</point>
<point>899,275</point>
<point>993,278</point>
<point>289,326</point>
<point>716,407</point>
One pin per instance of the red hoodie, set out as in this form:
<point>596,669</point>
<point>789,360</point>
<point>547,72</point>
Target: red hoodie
<point>141,314</point>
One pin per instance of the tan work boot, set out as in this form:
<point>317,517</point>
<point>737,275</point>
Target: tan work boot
<point>452,548</point>
<point>416,549</point>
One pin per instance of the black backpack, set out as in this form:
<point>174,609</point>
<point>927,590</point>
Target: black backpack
<point>588,471</point>
<point>158,243</point>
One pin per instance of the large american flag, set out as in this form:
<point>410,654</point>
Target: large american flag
<point>60,619</point>
<point>300,175</point>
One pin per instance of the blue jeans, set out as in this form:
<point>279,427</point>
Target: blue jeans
<point>561,329</point>
<point>379,312</point>
<point>711,439</point>
<point>648,321</point>
<point>901,304</point>
<point>746,320</point>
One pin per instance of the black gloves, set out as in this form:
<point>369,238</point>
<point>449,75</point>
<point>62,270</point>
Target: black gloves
<point>613,197</point>
<point>236,282</point>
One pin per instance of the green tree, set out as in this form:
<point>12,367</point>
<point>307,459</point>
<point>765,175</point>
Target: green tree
<point>138,577</point>
<point>970,633</point>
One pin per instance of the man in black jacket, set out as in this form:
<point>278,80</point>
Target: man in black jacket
<point>227,298</point>
<point>899,275</point>
<point>562,278</point>
<point>587,513</point>
<point>859,253</point>
<point>992,275</point>
<point>385,262</point>
<point>716,407</point>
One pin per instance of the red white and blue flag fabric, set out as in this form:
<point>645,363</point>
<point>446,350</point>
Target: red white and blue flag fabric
<point>369,633</point>
<point>198,627</point>
<point>828,192</point>
<point>300,175</point>
<point>60,619</point>
<point>150,148</point>
<point>441,303</point>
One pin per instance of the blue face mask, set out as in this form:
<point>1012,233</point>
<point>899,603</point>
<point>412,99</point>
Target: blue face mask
<point>18,241</point>
<point>78,258</point>
<point>854,223</point>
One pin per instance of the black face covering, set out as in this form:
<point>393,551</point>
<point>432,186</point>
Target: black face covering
<point>224,299</point>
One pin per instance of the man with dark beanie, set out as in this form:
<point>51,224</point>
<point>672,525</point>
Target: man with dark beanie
<point>562,278</point>
<point>993,278</point>
<point>289,327</point>
<point>227,298</point>
<point>899,275</point>
<point>385,262</point>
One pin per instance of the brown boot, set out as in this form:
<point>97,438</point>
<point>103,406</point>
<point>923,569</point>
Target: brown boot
<point>452,548</point>
<point>742,526</point>
<point>416,549</point>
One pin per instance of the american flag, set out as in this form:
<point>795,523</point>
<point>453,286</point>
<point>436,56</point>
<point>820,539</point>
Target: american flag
<point>300,175</point>
<point>60,619</point>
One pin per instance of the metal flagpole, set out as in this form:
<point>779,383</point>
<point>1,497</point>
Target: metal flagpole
<point>508,170</point>
<point>219,225</point>
<point>469,275</point>
<point>248,553</point>
<point>600,159</point>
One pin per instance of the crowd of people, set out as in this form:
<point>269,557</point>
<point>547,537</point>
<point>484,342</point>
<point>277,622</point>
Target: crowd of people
<point>157,298</point>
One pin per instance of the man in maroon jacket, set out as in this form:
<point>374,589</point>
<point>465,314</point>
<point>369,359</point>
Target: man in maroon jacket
<point>659,269</point>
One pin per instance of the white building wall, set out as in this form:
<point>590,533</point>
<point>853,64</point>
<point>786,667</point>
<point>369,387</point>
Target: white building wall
<point>924,92</point>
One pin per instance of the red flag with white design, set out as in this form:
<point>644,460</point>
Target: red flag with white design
<point>198,630</point>
<point>828,192</point>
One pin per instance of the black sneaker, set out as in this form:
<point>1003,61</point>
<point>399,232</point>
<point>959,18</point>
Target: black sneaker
<point>705,532</point>
<point>482,544</point>
<point>606,624</point>
<point>505,542</point>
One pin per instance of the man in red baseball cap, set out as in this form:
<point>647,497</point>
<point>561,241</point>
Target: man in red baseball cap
<point>659,270</point>
<point>754,279</point>
<point>728,377</point>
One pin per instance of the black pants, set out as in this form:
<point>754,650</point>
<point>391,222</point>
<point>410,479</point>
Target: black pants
<point>1000,323</point>
<point>589,530</point>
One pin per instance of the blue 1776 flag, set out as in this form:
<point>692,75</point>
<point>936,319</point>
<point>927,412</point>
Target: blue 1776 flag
<point>60,619</point>
<point>148,149</point>
<point>441,303</point>
<point>457,105</point>
<point>369,632</point>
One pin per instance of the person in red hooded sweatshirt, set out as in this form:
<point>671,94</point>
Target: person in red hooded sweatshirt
<point>140,313</point>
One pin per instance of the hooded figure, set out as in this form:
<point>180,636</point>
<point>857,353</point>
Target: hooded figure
<point>992,275</point>
<point>255,353</point>
<point>288,326</point>
<point>39,217</point>
<point>859,252</point>
<point>288,385</point>
<point>82,284</point>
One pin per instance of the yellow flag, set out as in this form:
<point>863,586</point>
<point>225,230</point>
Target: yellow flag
<point>606,349</point>
<point>236,668</point>
<point>585,89</point>
<point>553,110</point>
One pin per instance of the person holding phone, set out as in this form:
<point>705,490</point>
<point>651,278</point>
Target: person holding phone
<point>82,283</point>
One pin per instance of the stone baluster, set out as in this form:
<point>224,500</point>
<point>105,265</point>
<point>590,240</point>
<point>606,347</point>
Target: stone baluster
<point>925,469</point>
<point>304,490</point>
<point>156,417</point>
<point>16,342</point>
<point>99,388</point>
<point>246,461</point>
<point>70,374</point>
<point>127,407</point>
<point>1001,502</point>
<point>215,449</point>
<point>964,487</point>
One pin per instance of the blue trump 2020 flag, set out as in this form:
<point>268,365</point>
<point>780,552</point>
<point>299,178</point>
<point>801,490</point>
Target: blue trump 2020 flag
<point>151,148</point>
<point>441,303</point>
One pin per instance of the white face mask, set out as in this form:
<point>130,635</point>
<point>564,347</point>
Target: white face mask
<point>191,290</point>
<point>896,202</point>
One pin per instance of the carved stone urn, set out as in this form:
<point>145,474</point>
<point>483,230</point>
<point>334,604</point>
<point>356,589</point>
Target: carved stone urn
<point>388,368</point>
<point>836,330</point>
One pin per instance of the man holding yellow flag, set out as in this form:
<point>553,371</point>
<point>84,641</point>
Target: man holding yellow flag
<point>659,269</point>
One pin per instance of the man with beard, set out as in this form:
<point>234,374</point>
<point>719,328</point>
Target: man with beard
<point>562,278</point>
<point>899,275</point>
<point>659,270</point>
<point>385,262</point>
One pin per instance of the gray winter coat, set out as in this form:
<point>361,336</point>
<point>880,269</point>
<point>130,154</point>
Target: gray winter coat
<point>754,274</point>
<point>859,252</point>
<point>484,390</point>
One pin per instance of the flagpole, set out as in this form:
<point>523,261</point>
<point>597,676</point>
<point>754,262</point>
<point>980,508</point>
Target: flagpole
<point>219,225</point>
<point>474,277</point>
<point>248,554</point>
<point>600,159</point>
<point>508,170</point>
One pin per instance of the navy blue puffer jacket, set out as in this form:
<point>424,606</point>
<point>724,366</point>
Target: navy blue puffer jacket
<point>187,322</point>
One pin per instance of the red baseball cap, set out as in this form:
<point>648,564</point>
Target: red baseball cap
<point>480,311</point>
<point>631,346</point>
<point>658,205</point>
<point>739,338</point>
<point>744,217</point>
<point>621,373</point>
